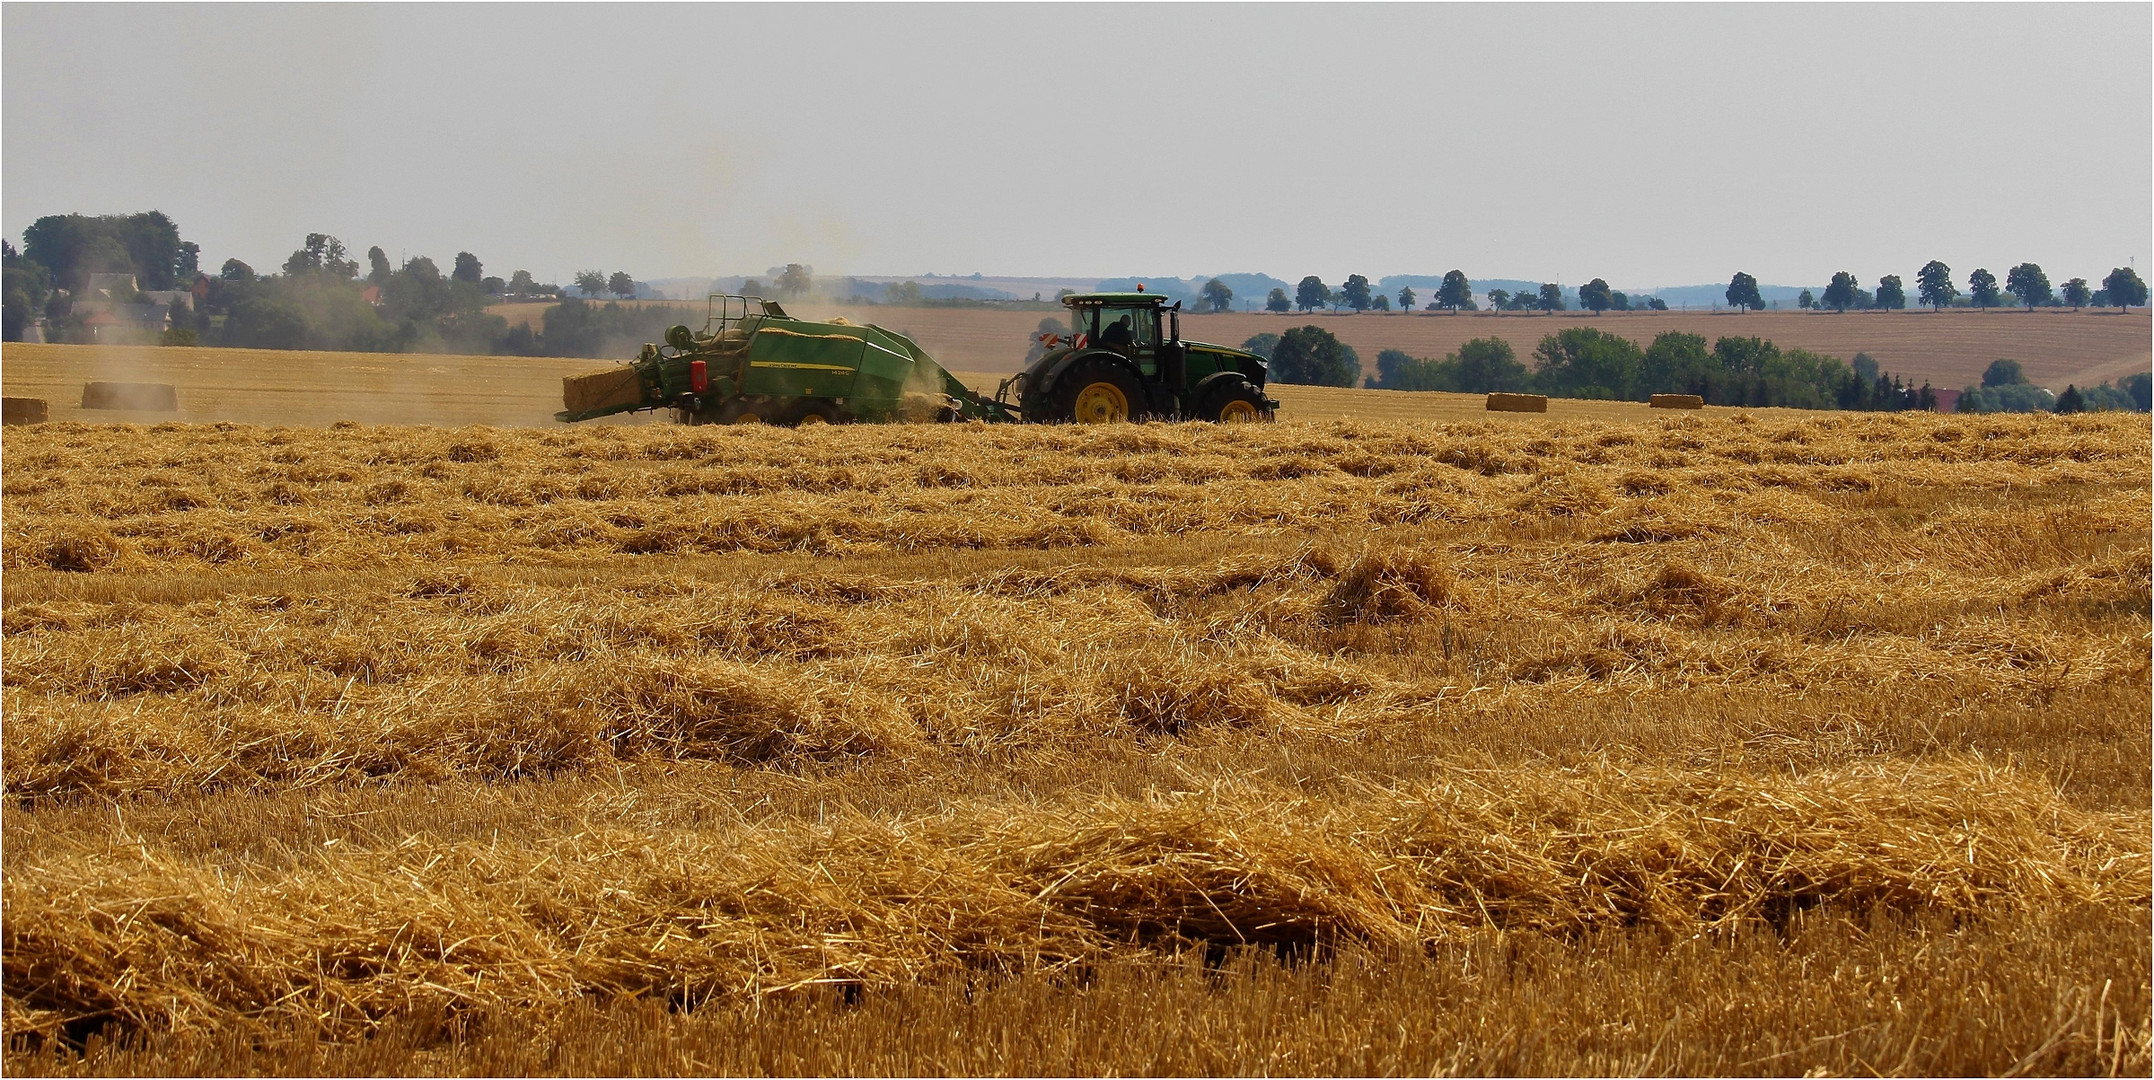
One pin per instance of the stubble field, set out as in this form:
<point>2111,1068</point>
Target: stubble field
<point>1735,743</point>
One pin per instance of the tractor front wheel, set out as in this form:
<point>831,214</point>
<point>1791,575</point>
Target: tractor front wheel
<point>1098,392</point>
<point>1235,402</point>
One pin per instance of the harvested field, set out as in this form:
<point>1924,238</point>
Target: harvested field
<point>253,386</point>
<point>1706,742</point>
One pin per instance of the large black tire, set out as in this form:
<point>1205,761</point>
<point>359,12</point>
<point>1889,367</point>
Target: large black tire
<point>1096,390</point>
<point>1233,401</point>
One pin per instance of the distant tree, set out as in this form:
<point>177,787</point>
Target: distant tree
<point>189,262</point>
<point>2076,294</point>
<point>903,293</point>
<point>73,246</point>
<point>1865,367</point>
<point>2019,397</point>
<point>1355,293</point>
<point>1619,301</point>
<point>1488,365</point>
<point>1217,295</point>
<point>1890,294</point>
<point>309,257</point>
<point>1743,293</point>
<point>1551,297</point>
<point>1277,301</point>
<point>621,285</point>
<point>378,268</point>
<point>520,282</point>
<point>1456,292</point>
<point>1595,296</point>
<point>2140,388</point>
<point>2102,398</point>
<point>1806,301</point>
<point>467,269</point>
<point>1406,298</point>
<point>260,322</point>
<point>2029,284</point>
<point>1581,361</point>
<point>1311,293</point>
<point>1499,299</point>
<point>795,280</point>
<point>2071,400</point>
<point>234,270</point>
<point>493,286</point>
<point>1656,304</point>
<point>1982,288</point>
<point>1380,302</point>
<point>2003,373</point>
<point>1392,367</point>
<point>1311,355</point>
<point>1060,293</point>
<point>1840,293</point>
<point>2125,288</point>
<point>1262,344</point>
<point>1933,284</point>
<point>590,282</point>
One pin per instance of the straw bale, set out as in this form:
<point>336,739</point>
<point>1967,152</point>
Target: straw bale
<point>1500,402</point>
<point>604,389</point>
<point>1675,401</point>
<point>23,410</point>
<point>146,397</point>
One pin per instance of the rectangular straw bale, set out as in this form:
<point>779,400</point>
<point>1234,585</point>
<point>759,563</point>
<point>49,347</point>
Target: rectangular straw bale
<point>1676,401</point>
<point>1518,403</point>
<point>22,410</point>
<point>611,388</point>
<point>150,397</point>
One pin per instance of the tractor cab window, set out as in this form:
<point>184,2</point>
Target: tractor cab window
<point>1136,327</point>
<point>1084,322</point>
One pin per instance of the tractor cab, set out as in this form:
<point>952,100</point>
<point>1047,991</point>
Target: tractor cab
<point>1140,326</point>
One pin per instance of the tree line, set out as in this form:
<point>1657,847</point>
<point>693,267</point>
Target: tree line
<point>322,297</point>
<point>1586,362</point>
<point>2027,283</point>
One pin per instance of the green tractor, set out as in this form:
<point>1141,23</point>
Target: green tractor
<point>753,363</point>
<point>1125,360</point>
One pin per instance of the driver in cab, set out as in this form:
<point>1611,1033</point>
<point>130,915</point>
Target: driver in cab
<point>1118,333</point>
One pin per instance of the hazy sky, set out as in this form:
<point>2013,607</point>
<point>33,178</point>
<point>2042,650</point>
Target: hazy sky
<point>1650,145</point>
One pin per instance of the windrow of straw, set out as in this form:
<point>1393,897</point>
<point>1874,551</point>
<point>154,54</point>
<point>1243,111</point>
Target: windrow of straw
<point>443,675</point>
<point>87,499</point>
<point>132,929</point>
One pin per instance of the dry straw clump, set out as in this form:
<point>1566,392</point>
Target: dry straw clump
<point>84,498</point>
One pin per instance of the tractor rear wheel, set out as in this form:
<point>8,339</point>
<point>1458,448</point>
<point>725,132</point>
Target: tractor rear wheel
<point>1098,392</point>
<point>1235,402</point>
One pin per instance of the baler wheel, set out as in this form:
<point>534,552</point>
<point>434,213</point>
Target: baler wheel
<point>739,411</point>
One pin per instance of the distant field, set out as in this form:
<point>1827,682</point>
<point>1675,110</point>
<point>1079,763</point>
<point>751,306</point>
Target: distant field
<point>1950,350</point>
<point>313,389</point>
